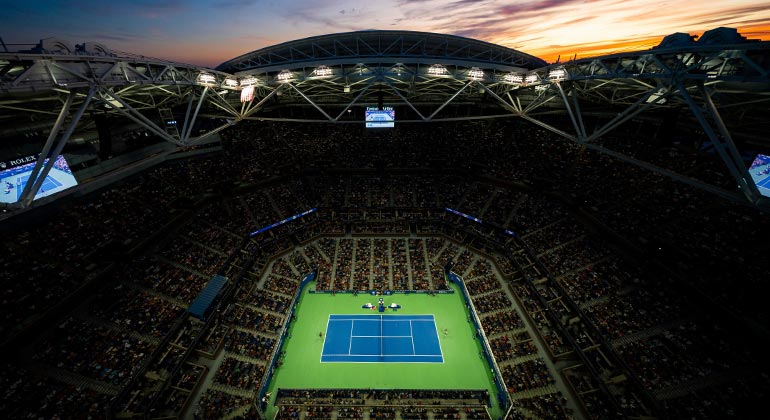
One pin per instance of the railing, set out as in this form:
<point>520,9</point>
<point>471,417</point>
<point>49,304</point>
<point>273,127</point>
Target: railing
<point>502,390</point>
<point>276,353</point>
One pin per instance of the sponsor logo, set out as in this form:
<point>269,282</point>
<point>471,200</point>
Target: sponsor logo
<point>22,161</point>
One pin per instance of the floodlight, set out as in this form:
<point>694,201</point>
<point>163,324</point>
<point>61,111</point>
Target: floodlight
<point>323,71</point>
<point>513,78</point>
<point>557,74</point>
<point>285,76</point>
<point>206,79</point>
<point>231,82</point>
<point>247,94</point>
<point>531,78</point>
<point>475,73</point>
<point>437,70</point>
<point>249,81</point>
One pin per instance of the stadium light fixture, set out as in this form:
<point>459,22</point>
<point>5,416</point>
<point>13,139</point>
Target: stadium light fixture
<point>247,94</point>
<point>249,81</point>
<point>513,78</point>
<point>437,70</point>
<point>475,73</point>
<point>557,74</point>
<point>285,76</point>
<point>231,83</point>
<point>531,78</point>
<point>206,79</point>
<point>322,71</point>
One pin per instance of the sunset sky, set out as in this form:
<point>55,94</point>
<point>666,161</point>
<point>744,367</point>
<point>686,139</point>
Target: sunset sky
<point>209,32</point>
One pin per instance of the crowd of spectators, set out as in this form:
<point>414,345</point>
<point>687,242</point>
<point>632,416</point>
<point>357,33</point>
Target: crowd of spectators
<point>217,404</point>
<point>633,312</point>
<point>481,285</point>
<point>343,262</point>
<point>272,302</point>
<point>554,340</point>
<point>509,347</point>
<point>239,373</point>
<point>702,241</point>
<point>164,278</point>
<point>282,285</point>
<point>250,345</point>
<point>246,317</point>
<point>527,375</point>
<point>217,237</point>
<point>502,321</point>
<point>29,396</point>
<point>135,310</point>
<point>603,279</point>
<point>362,266</point>
<point>378,263</point>
<point>381,266</point>
<point>689,352</point>
<point>550,406</point>
<point>93,351</point>
<point>492,302</point>
<point>195,257</point>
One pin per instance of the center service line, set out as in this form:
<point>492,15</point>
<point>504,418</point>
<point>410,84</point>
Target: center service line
<point>411,335</point>
<point>350,346</point>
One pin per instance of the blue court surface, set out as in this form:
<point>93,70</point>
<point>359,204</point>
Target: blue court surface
<point>764,186</point>
<point>49,183</point>
<point>382,339</point>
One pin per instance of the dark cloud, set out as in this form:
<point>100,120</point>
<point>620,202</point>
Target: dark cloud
<point>533,6</point>
<point>115,37</point>
<point>755,21</point>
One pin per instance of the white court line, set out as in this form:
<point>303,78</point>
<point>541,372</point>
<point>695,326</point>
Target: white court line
<point>323,346</point>
<point>348,317</point>
<point>350,345</point>
<point>381,336</point>
<point>387,355</point>
<point>411,334</point>
<point>438,339</point>
<point>392,318</point>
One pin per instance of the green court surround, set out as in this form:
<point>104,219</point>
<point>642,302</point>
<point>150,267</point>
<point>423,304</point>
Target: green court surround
<point>463,367</point>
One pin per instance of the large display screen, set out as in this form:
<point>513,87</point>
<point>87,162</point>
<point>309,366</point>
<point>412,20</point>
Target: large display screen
<point>380,118</point>
<point>760,174</point>
<point>14,175</point>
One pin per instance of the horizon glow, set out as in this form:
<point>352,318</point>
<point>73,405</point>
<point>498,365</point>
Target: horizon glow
<point>209,33</point>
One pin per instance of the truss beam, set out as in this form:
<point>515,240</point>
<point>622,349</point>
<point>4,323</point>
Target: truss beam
<point>47,146</point>
<point>186,135</point>
<point>138,117</point>
<point>28,194</point>
<point>723,142</point>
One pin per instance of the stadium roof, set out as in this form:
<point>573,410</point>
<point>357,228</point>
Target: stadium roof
<point>718,85</point>
<point>384,47</point>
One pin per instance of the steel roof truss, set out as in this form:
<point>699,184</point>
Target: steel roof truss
<point>723,142</point>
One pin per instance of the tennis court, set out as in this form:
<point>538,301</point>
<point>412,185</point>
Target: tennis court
<point>48,184</point>
<point>381,339</point>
